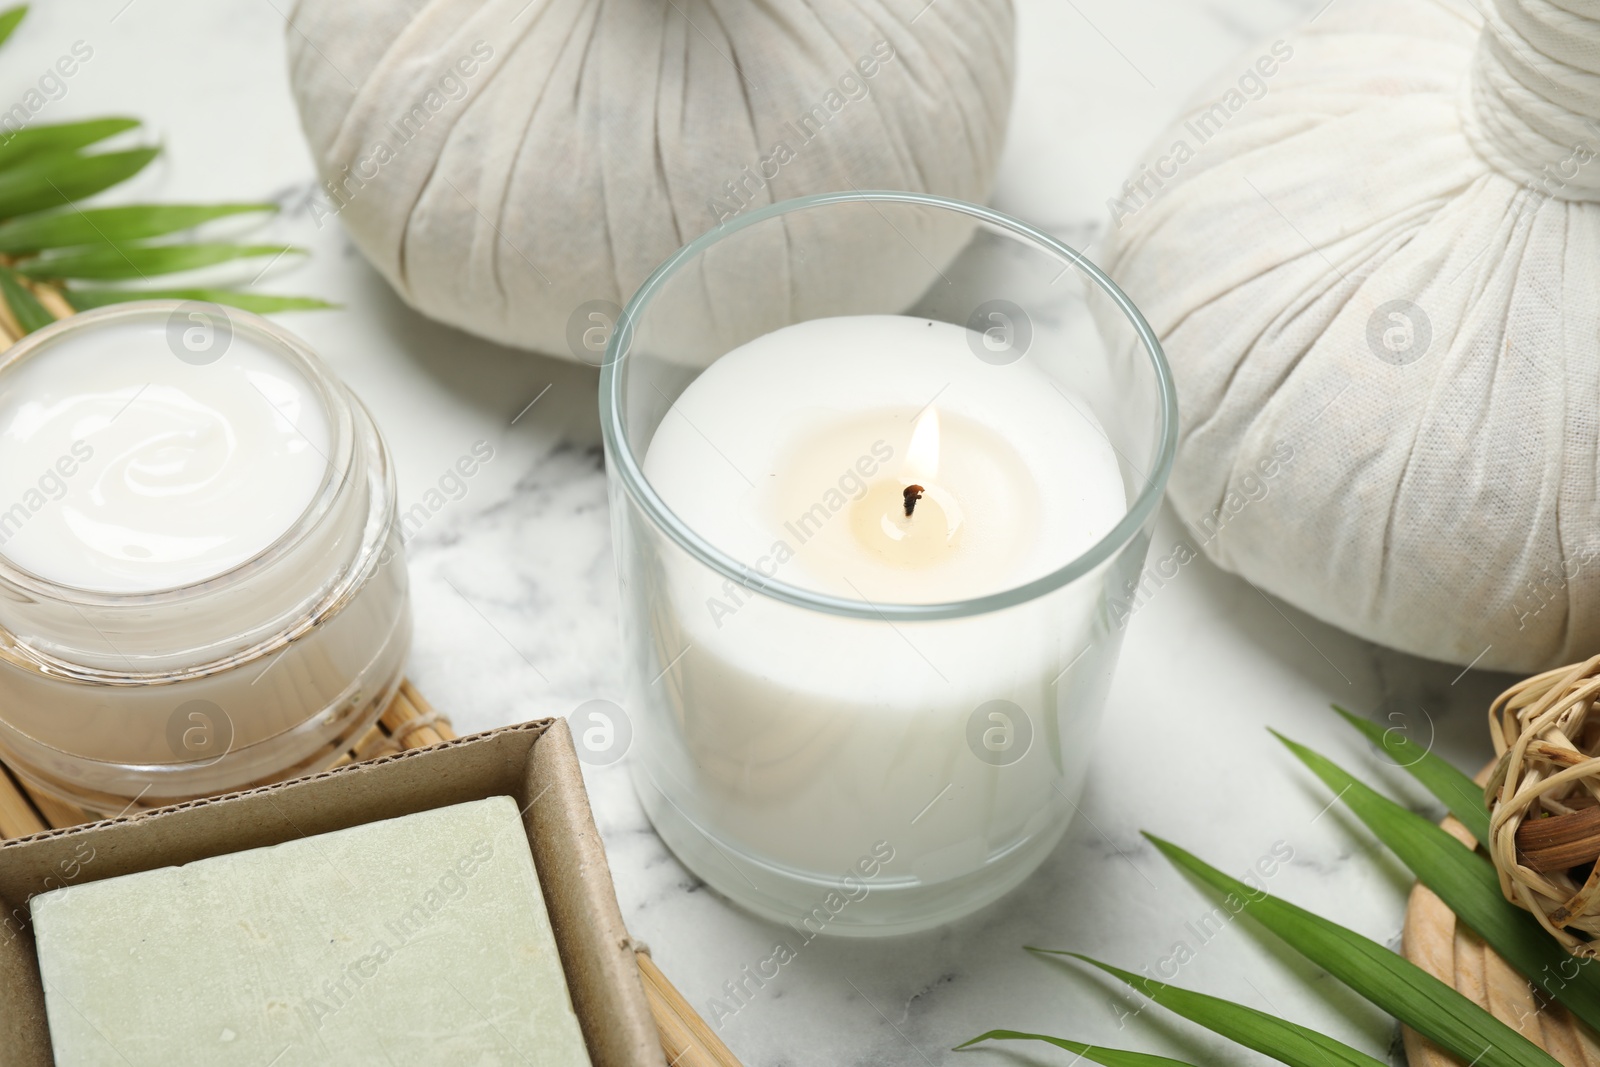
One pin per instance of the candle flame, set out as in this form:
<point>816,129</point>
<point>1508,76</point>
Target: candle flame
<point>922,454</point>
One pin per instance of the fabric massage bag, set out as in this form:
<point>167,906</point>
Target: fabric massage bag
<point>1372,252</point>
<point>512,165</point>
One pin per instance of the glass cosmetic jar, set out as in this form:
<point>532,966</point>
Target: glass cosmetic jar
<point>865,668</point>
<point>202,586</point>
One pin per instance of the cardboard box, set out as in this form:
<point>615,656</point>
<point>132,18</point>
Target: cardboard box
<point>533,763</point>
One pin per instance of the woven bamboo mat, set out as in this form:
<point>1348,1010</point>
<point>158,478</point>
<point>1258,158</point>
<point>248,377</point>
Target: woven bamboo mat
<point>408,722</point>
<point>1436,942</point>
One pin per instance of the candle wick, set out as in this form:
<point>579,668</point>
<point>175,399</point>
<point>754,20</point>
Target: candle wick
<point>913,493</point>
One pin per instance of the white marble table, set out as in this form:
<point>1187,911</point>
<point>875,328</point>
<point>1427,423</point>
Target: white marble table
<point>516,601</point>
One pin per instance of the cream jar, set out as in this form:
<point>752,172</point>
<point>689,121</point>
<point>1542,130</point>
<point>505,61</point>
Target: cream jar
<point>202,586</point>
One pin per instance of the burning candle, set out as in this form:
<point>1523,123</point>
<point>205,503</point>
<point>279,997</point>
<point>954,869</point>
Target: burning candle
<point>800,446</point>
<point>877,460</point>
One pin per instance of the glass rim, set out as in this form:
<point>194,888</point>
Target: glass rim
<point>630,471</point>
<point>283,343</point>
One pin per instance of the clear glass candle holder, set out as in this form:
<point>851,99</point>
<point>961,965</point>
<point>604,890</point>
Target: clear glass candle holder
<point>271,668</point>
<point>783,765</point>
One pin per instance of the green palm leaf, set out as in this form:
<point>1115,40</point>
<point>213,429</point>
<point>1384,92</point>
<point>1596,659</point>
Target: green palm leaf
<point>121,262</point>
<point>110,225</point>
<point>30,314</point>
<point>260,303</point>
<point>1108,1057</point>
<point>1282,1040</point>
<point>1454,790</point>
<point>45,166</point>
<point>1393,983</point>
<point>1467,883</point>
<point>59,138</point>
<point>9,18</point>
<point>60,178</point>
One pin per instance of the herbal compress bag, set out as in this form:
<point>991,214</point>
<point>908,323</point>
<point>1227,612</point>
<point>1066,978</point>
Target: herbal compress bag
<point>513,167</point>
<point>1374,248</point>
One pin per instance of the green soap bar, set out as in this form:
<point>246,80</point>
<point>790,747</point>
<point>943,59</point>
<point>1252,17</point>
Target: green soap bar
<point>417,940</point>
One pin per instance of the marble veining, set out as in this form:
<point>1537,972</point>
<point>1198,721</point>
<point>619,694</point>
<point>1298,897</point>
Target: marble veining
<point>516,600</point>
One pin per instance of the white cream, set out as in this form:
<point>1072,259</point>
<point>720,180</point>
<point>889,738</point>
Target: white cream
<point>201,580</point>
<point>126,469</point>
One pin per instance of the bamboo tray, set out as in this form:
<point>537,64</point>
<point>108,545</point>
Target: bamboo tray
<point>411,722</point>
<point>1436,942</point>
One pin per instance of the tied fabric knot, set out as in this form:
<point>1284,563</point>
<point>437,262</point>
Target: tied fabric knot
<point>517,168</point>
<point>1417,355</point>
<point>1532,107</point>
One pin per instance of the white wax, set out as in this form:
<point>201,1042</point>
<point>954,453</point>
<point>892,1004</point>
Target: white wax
<point>417,940</point>
<point>794,419</point>
<point>126,469</point>
<point>798,738</point>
